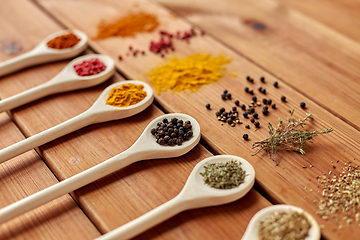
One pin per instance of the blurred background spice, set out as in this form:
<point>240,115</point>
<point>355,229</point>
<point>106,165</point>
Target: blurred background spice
<point>128,25</point>
<point>188,74</point>
<point>64,41</point>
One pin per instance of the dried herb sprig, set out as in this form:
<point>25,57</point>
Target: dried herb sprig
<point>289,137</point>
<point>224,175</point>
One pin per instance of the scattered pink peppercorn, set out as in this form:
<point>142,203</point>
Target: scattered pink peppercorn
<point>89,67</point>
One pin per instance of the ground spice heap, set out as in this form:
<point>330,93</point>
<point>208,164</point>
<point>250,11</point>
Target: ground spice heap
<point>126,95</point>
<point>89,67</point>
<point>188,74</point>
<point>342,195</point>
<point>285,226</point>
<point>224,175</point>
<point>64,41</point>
<point>128,25</point>
<point>173,132</point>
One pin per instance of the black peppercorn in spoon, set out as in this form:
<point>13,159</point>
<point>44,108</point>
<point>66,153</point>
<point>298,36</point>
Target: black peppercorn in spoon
<point>144,148</point>
<point>43,54</point>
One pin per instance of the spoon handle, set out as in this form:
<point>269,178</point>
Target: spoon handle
<point>84,119</point>
<point>68,185</point>
<point>146,221</point>
<point>30,58</point>
<point>29,95</point>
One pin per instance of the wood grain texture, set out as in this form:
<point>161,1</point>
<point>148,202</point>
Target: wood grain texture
<point>26,175</point>
<point>289,182</point>
<point>341,15</point>
<point>313,58</point>
<point>126,194</point>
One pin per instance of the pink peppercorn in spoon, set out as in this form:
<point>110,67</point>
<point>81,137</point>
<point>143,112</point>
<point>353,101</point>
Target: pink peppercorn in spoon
<point>66,80</point>
<point>43,54</point>
<point>98,112</point>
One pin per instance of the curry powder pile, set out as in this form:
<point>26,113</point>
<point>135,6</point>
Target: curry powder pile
<point>128,25</point>
<point>126,95</point>
<point>188,74</point>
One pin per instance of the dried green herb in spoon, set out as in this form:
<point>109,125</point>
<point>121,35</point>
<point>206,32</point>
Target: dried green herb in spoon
<point>289,137</point>
<point>285,226</point>
<point>223,175</point>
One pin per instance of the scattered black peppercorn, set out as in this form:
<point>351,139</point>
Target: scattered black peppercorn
<point>222,110</point>
<point>218,113</point>
<point>262,90</point>
<point>262,79</point>
<point>247,78</point>
<point>273,106</point>
<point>208,106</point>
<point>251,91</point>
<point>252,109</point>
<point>237,102</point>
<point>303,105</point>
<point>223,96</point>
<point>283,98</point>
<point>245,136</point>
<point>255,115</point>
<point>247,126</point>
<point>252,119</point>
<point>225,91</point>
<point>266,108</point>
<point>172,132</point>
<point>234,109</point>
<point>254,98</point>
<point>276,84</point>
<point>257,124</point>
<point>228,95</point>
<point>243,107</point>
<point>247,89</point>
<point>265,101</point>
<point>269,101</point>
<point>245,114</point>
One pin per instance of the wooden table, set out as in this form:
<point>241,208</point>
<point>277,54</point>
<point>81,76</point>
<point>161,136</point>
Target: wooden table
<point>310,48</point>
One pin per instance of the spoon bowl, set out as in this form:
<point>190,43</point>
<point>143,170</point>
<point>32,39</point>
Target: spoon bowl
<point>143,149</point>
<point>251,232</point>
<point>43,54</point>
<point>98,112</point>
<point>195,194</point>
<point>66,80</point>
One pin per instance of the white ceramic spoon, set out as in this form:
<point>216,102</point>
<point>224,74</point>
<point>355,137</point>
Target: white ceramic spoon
<point>195,194</point>
<point>98,112</point>
<point>43,54</point>
<point>144,148</point>
<point>251,232</point>
<point>66,80</point>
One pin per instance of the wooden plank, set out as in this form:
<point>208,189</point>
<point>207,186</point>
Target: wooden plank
<point>287,183</point>
<point>314,59</point>
<point>26,175</point>
<point>341,15</point>
<point>125,194</point>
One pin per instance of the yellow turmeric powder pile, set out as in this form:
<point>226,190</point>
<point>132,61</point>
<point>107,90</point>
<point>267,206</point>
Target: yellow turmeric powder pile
<point>126,95</point>
<point>128,25</point>
<point>188,74</point>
